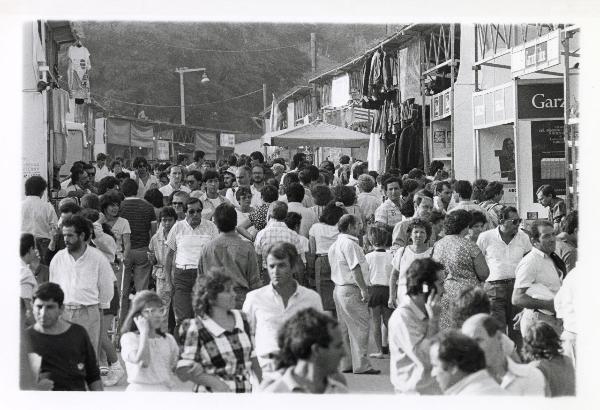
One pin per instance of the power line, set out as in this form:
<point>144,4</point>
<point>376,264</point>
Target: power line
<point>219,50</point>
<point>177,106</point>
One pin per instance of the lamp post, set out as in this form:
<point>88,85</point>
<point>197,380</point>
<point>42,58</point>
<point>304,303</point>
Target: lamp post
<point>181,71</point>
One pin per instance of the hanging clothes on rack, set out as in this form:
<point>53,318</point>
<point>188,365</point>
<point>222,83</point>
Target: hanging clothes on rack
<point>78,72</point>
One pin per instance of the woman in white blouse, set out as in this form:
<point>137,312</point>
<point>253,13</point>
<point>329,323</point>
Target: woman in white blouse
<point>321,236</point>
<point>419,231</point>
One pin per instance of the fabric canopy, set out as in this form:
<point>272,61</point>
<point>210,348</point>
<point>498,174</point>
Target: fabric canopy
<point>318,134</point>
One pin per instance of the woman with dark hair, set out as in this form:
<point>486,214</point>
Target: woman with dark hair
<point>149,354</point>
<point>244,197</point>
<point>478,194</point>
<point>322,195</point>
<point>419,231</point>
<point>320,237</point>
<point>478,221</point>
<point>542,349</point>
<point>347,195</point>
<point>155,198</point>
<point>211,199</point>
<point>464,264</point>
<point>217,347</point>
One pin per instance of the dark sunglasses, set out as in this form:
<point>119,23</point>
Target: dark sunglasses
<point>177,203</point>
<point>515,221</point>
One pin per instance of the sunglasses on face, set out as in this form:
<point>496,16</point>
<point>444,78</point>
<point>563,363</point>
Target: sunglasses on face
<point>515,221</point>
<point>177,203</point>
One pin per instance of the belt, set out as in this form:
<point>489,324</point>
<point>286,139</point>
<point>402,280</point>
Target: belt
<point>322,255</point>
<point>187,267</point>
<point>346,284</point>
<point>502,281</point>
<point>75,306</point>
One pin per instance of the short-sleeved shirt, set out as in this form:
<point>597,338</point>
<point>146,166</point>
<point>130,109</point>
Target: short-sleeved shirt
<point>163,352</point>
<point>388,213</point>
<point>226,354</point>
<point>168,189</point>
<point>380,267</point>
<point>266,313</point>
<point>368,202</point>
<point>537,268</point>
<point>120,228</point>
<point>188,241</point>
<point>37,217</point>
<point>275,232</point>
<point>325,235</point>
<point>309,218</point>
<point>69,357</point>
<point>402,259</point>
<point>502,259</point>
<point>344,255</point>
<point>140,215</point>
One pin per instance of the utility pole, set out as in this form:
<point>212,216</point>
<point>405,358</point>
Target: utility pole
<point>313,65</point>
<point>181,71</point>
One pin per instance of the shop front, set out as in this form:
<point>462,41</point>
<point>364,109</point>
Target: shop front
<point>519,140</point>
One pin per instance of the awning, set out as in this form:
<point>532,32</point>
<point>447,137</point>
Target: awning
<point>318,134</point>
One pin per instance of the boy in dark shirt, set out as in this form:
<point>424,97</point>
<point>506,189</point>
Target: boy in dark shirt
<point>68,357</point>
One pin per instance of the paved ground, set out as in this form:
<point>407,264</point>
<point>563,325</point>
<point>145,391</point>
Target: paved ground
<point>376,384</point>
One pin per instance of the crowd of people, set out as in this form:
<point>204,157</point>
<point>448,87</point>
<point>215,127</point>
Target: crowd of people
<point>250,275</point>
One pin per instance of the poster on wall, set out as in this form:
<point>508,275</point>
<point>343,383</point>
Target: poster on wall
<point>506,159</point>
<point>548,155</point>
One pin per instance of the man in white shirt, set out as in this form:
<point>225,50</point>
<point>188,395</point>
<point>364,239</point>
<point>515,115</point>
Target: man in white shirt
<point>443,196</point>
<point>538,279</point>
<point>101,168</point>
<point>295,195</point>
<point>516,379</point>
<point>258,182</point>
<point>198,161</point>
<point>267,308</point>
<point>38,216</point>
<point>175,182</point>
<point>86,277</point>
<point>348,272</point>
<point>458,365</point>
<point>185,241</point>
<point>412,327</point>
<point>504,247</point>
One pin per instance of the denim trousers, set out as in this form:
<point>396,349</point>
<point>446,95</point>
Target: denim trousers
<point>138,267</point>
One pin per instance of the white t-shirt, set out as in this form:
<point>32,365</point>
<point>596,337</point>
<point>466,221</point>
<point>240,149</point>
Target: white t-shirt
<point>325,235</point>
<point>120,227</point>
<point>380,267</point>
<point>163,352</point>
<point>401,261</point>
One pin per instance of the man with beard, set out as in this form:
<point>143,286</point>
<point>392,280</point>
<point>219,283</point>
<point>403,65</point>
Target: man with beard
<point>85,275</point>
<point>228,181</point>
<point>258,182</point>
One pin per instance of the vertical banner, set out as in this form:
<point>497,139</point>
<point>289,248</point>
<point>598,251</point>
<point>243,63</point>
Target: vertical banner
<point>548,155</point>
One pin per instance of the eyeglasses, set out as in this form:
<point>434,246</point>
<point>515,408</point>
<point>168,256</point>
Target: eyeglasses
<point>515,221</point>
<point>161,311</point>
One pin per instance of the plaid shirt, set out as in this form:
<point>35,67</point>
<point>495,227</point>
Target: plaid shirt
<point>275,232</point>
<point>222,353</point>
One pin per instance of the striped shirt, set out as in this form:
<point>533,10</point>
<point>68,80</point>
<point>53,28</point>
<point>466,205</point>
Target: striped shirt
<point>140,215</point>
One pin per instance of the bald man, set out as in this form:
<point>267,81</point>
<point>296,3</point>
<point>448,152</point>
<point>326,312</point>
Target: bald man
<point>516,379</point>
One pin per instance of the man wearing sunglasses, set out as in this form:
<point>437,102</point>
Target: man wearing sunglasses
<point>185,241</point>
<point>503,248</point>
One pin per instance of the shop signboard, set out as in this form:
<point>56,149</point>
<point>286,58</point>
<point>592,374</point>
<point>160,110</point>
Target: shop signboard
<point>545,100</point>
<point>227,140</point>
<point>494,106</point>
<point>548,155</point>
<point>162,150</point>
<point>535,55</point>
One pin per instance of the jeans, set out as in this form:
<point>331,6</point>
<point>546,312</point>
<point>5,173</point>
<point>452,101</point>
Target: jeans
<point>137,266</point>
<point>183,283</point>
<point>502,309</point>
<point>165,293</point>
<point>353,318</point>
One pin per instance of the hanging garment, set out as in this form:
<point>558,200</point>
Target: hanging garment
<point>79,65</point>
<point>408,151</point>
<point>366,73</point>
<point>376,76</point>
<point>387,72</point>
<point>376,153</point>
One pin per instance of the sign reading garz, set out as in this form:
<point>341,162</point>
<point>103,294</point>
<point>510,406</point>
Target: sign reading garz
<point>541,100</point>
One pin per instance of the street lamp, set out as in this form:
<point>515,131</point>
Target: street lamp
<point>182,70</point>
